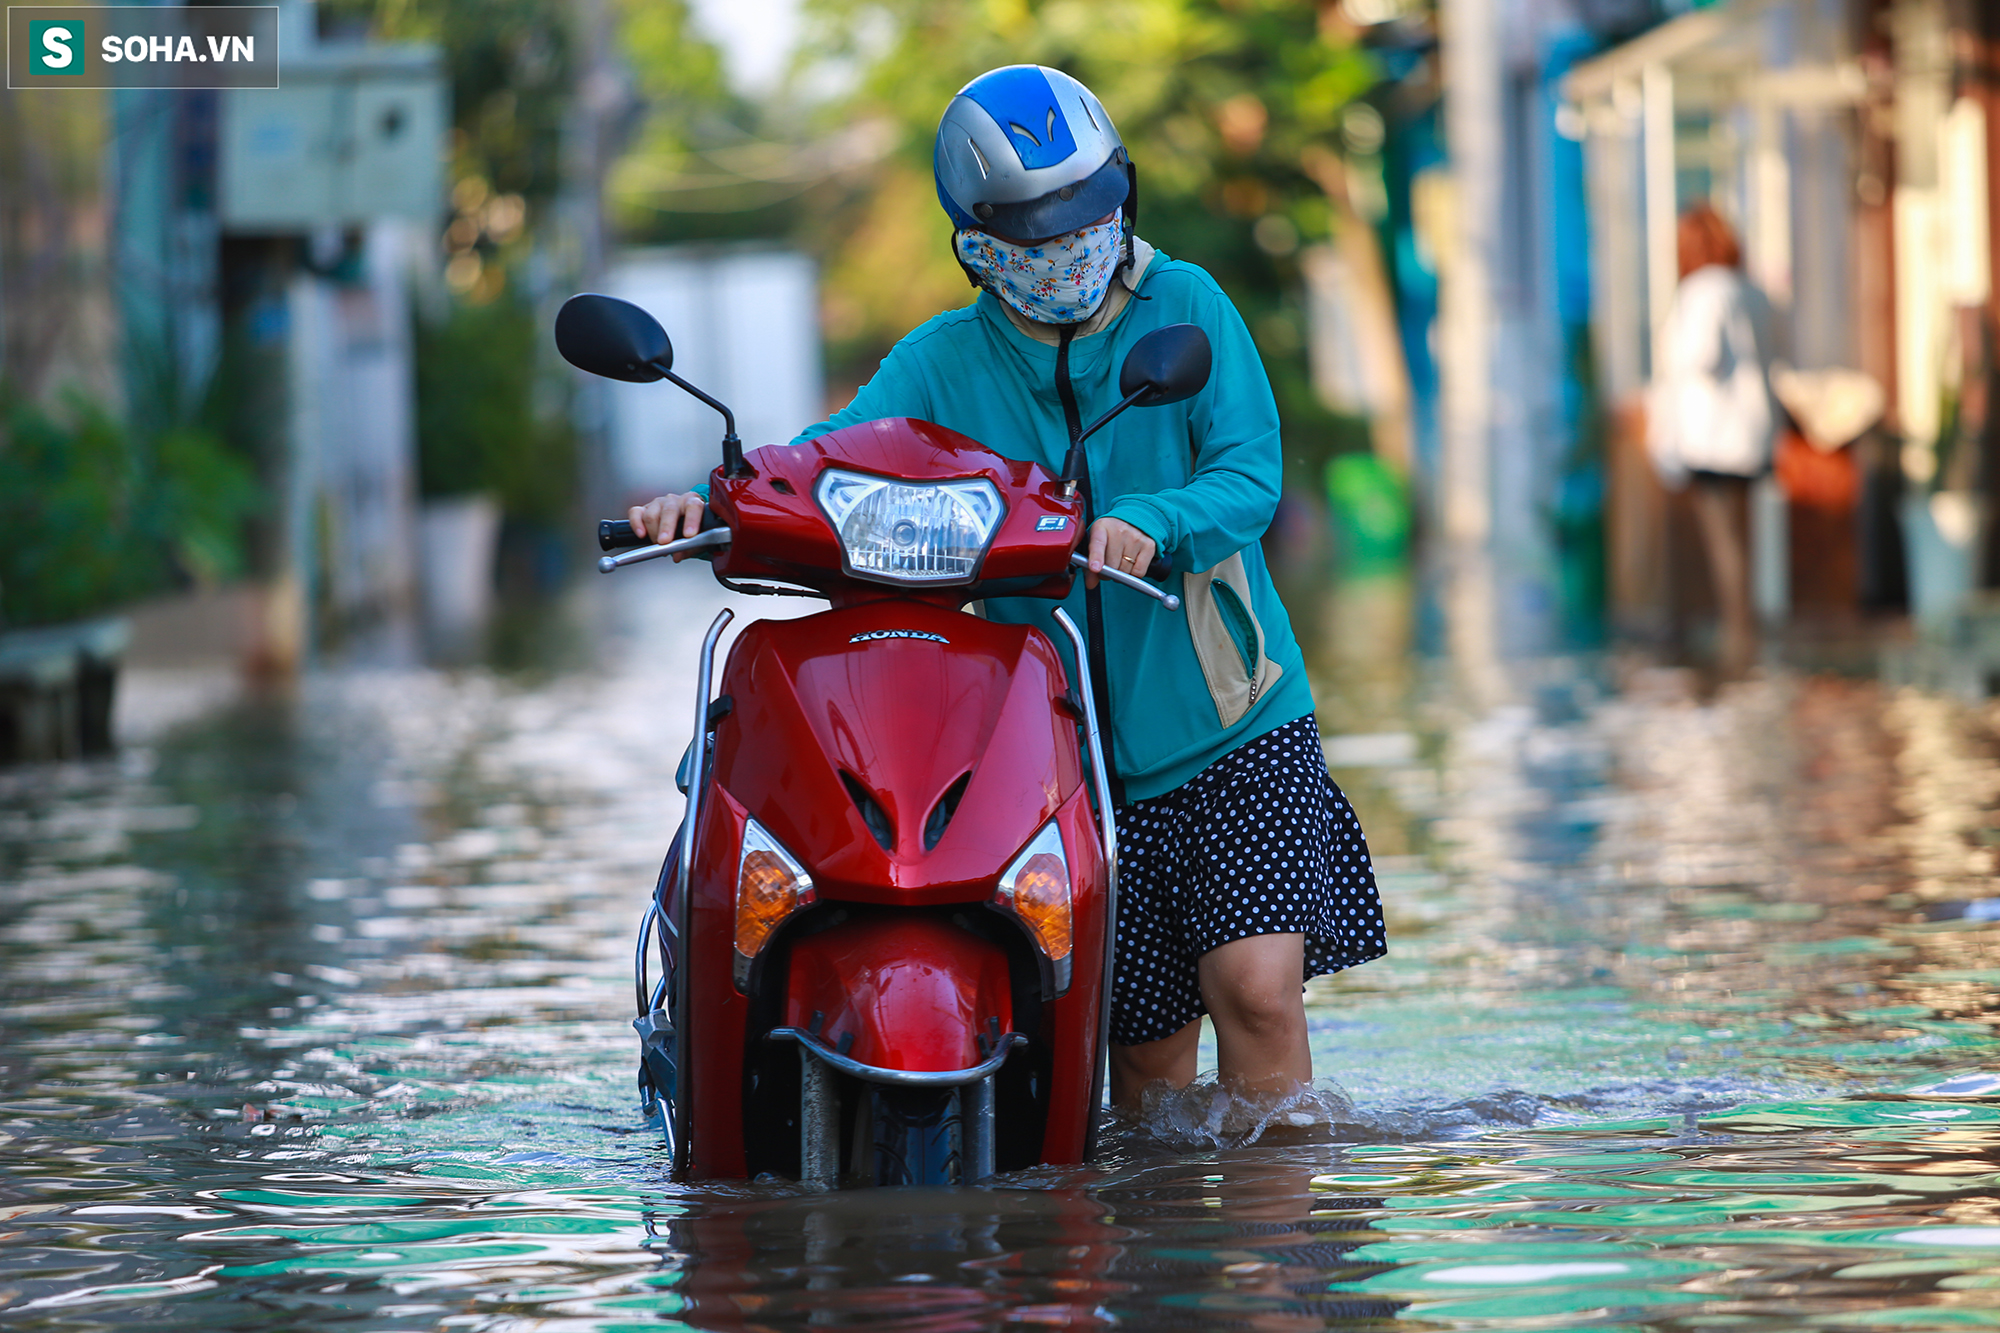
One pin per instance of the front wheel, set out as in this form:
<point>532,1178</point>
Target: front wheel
<point>916,1136</point>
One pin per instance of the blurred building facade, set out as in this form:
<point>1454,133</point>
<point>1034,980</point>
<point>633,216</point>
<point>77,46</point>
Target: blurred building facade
<point>1847,142</point>
<point>246,267</point>
<point>1537,156</point>
<point>1471,169</point>
<point>324,193</point>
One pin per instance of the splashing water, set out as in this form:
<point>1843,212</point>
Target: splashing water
<point>1207,1115</point>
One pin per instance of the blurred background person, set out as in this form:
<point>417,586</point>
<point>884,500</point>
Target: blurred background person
<point>1709,415</point>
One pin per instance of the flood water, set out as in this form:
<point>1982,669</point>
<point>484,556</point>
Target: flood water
<point>313,1015</point>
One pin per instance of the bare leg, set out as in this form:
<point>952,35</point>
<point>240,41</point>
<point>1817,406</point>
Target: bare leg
<point>1720,509</point>
<point>1252,991</point>
<point>1169,1060</point>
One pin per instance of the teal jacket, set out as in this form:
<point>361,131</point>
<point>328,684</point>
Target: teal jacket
<point>1199,477</point>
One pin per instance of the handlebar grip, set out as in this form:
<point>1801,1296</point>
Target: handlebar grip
<point>615,534</point>
<point>1159,569</point>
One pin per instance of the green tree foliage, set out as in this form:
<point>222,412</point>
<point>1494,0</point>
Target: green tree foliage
<point>96,514</point>
<point>664,187</point>
<point>475,414</point>
<point>512,65</point>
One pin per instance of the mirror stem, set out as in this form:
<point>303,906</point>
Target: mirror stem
<point>1072,467</point>
<point>732,448</point>
<point>1072,470</point>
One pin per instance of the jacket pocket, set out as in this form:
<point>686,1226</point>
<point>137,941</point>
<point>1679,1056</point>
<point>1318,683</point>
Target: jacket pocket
<point>1228,641</point>
<point>1242,626</point>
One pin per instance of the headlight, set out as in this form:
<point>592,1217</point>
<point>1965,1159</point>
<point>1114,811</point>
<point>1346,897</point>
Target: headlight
<point>908,531</point>
<point>1036,889</point>
<point>770,886</point>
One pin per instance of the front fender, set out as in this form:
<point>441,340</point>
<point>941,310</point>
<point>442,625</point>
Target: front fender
<point>911,993</point>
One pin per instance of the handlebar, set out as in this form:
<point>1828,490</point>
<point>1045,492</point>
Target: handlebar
<point>615,534</point>
<point>647,550</point>
<point>1134,582</point>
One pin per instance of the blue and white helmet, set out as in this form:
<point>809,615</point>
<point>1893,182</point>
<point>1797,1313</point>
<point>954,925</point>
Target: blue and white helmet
<point>1025,152</point>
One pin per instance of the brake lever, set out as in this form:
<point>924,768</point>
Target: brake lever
<point>700,541</point>
<point>1166,599</point>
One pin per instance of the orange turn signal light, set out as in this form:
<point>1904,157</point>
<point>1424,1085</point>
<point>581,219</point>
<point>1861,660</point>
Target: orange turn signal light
<point>1041,899</point>
<point>770,886</point>
<point>766,893</point>
<point>1036,889</point>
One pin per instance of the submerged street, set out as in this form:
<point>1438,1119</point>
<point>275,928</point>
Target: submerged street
<point>314,1013</point>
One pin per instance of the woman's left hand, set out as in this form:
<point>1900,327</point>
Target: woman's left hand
<point>1119,545</point>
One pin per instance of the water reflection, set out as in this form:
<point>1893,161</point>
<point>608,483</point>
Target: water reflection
<point>1233,1239</point>
<point>312,1013</point>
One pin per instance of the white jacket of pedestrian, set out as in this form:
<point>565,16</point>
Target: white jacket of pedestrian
<point>1709,406</point>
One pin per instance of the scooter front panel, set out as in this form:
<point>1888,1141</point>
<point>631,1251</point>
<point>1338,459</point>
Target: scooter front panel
<point>909,704</point>
<point>904,753</point>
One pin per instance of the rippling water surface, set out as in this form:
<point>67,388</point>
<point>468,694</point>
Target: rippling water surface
<point>313,1015</point>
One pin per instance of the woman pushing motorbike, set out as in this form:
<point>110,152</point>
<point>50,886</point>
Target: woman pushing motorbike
<point>1243,870</point>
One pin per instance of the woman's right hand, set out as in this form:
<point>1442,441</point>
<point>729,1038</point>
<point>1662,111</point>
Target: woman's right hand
<point>668,517</point>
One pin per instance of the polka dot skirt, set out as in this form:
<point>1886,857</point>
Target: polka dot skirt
<point>1261,842</point>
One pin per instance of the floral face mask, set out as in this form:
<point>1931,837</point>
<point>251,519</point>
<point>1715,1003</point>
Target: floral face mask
<point>1057,281</point>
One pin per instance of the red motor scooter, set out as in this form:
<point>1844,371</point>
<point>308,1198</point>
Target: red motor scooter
<point>884,931</point>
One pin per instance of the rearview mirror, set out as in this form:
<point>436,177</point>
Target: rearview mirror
<point>1166,366</point>
<point>616,339</point>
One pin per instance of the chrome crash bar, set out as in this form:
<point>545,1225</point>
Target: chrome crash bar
<point>1108,817</point>
<point>651,1020</point>
<point>819,1103</point>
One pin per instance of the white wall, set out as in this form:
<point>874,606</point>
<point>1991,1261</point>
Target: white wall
<point>745,329</point>
<point>352,490</point>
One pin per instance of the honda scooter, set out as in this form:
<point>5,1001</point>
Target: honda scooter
<point>884,932</point>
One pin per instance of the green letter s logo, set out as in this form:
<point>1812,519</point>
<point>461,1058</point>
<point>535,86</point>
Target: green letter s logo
<point>54,47</point>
